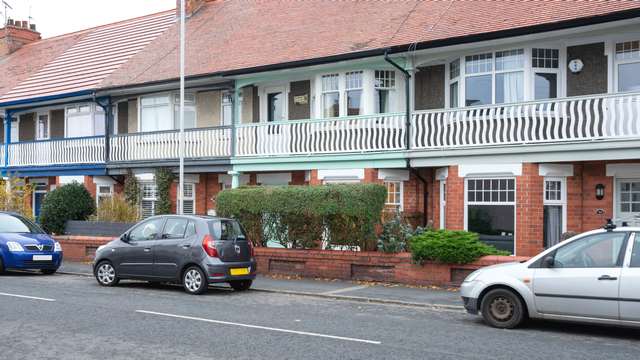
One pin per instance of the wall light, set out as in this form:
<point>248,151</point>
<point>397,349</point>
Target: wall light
<point>599,191</point>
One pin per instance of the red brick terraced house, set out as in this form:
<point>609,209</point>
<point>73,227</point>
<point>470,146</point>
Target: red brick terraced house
<point>519,120</point>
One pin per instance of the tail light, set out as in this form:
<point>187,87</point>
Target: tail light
<point>209,246</point>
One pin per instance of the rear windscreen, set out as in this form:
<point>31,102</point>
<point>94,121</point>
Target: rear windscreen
<point>225,230</point>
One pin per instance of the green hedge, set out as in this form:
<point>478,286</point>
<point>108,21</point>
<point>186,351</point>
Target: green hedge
<point>451,247</point>
<point>68,202</point>
<point>302,216</point>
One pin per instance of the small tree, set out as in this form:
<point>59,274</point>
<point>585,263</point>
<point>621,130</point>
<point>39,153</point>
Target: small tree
<point>131,189</point>
<point>164,180</point>
<point>116,209</point>
<point>68,202</point>
<point>15,196</point>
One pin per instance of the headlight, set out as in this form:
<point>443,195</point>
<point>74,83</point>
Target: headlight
<point>472,276</point>
<point>57,247</point>
<point>14,246</point>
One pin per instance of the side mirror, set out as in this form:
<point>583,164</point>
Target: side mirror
<point>124,238</point>
<point>548,261</point>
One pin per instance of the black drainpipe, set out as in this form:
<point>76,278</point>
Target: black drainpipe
<point>425,210</point>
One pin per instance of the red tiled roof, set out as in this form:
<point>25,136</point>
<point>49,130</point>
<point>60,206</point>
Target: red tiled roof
<point>81,61</point>
<point>227,35</point>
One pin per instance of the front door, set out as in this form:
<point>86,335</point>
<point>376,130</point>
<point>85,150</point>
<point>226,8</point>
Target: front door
<point>135,259</point>
<point>38,197</point>
<point>629,285</point>
<point>585,278</point>
<point>174,247</point>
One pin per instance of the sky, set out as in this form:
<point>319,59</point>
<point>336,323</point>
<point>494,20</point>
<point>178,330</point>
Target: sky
<point>56,17</point>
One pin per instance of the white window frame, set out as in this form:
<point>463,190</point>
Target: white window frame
<point>263,98</point>
<point>617,213</point>
<point>223,94</point>
<point>514,203</point>
<point>348,88</point>
<point>46,113</point>
<point>189,198</point>
<point>100,195</point>
<point>443,204</point>
<point>153,200</point>
<point>93,109</point>
<point>544,70</point>
<point>393,92</point>
<point>174,103</point>
<point>400,203</point>
<point>563,197</point>
<point>616,63</point>
<point>35,183</point>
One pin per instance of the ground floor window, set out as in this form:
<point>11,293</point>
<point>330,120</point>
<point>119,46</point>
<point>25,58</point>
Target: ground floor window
<point>103,193</point>
<point>554,213</point>
<point>189,199</point>
<point>490,211</point>
<point>394,195</point>
<point>149,199</point>
<point>628,201</point>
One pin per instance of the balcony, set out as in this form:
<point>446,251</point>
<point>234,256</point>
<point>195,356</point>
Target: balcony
<point>85,150</point>
<point>575,119</point>
<point>360,134</point>
<point>199,144</point>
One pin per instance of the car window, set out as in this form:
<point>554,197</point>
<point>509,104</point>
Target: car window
<point>17,225</point>
<point>191,229</point>
<point>148,230</point>
<point>595,251</point>
<point>227,230</point>
<point>175,228</point>
<point>635,254</point>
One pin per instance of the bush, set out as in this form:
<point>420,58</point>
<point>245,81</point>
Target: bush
<point>15,196</point>
<point>451,247</point>
<point>116,209</point>
<point>164,179</point>
<point>131,189</point>
<point>304,216</point>
<point>395,235</point>
<point>68,202</point>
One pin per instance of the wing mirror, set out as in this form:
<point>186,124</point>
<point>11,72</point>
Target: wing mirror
<point>124,238</point>
<point>548,261</point>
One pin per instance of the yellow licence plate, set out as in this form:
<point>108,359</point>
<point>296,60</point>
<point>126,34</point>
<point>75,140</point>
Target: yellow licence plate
<point>240,271</point>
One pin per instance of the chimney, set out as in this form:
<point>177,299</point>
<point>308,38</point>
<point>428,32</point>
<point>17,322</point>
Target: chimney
<point>190,6</point>
<point>15,34</point>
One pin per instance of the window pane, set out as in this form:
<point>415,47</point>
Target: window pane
<point>478,90</point>
<point>545,58</point>
<point>353,80</point>
<point>629,77</point>
<point>546,86</point>
<point>628,50</point>
<point>354,102</point>
<point>382,99</point>
<point>509,60</point>
<point>99,126</point>
<point>275,107</point>
<point>552,225</point>
<point>454,69</point>
<point>494,223</point>
<point>385,79</point>
<point>331,104</point>
<point>146,231</point>
<point>595,251</point>
<point>509,87</point>
<point>189,117</point>
<point>479,63</point>
<point>174,229</point>
<point>330,82</point>
<point>453,95</point>
<point>79,125</point>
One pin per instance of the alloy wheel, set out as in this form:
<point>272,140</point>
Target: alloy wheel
<point>106,274</point>
<point>193,280</point>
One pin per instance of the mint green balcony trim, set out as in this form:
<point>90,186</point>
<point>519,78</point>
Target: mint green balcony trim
<point>396,159</point>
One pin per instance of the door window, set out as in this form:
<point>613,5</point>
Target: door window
<point>174,229</point>
<point>554,209</point>
<point>635,255</point>
<point>275,106</point>
<point>595,251</point>
<point>146,231</point>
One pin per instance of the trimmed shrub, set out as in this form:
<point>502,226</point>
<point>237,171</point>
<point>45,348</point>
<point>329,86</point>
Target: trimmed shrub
<point>395,234</point>
<point>342,215</point>
<point>116,209</point>
<point>449,246</point>
<point>164,180</point>
<point>68,202</point>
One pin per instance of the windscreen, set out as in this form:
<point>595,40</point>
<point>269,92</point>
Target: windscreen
<point>17,225</point>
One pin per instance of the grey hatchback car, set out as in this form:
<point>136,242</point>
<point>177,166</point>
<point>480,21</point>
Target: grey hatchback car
<point>191,250</point>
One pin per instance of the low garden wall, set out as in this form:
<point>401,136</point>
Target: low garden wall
<point>347,265</point>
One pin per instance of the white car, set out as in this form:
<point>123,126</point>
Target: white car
<point>593,277</point>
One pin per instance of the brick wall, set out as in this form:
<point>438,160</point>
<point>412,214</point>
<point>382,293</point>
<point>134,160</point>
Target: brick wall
<point>594,173</point>
<point>455,200</point>
<point>529,211</point>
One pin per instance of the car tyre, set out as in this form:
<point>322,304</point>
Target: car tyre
<point>503,309</point>
<point>106,274</point>
<point>241,285</point>
<point>195,281</point>
<point>48,271</point>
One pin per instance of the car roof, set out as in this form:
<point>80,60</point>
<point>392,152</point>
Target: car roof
<point>194,217</point>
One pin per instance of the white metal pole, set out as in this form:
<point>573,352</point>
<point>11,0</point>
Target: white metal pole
<point>181,141</point>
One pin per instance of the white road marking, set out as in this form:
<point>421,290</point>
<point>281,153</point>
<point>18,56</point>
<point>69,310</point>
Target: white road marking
<point>26,297</point>
<point>261,327</point>
<point>338,291</point>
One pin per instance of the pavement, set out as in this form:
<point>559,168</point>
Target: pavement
<point>336,289</point>
<point>71,317</point>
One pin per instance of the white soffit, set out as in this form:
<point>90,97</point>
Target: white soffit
<point>226,179</point>
<point>146,177</point>
<point>466,170</point>
<point>393,174</point>
<point>103,180</point>
<point>274,179</point>
<point>356,174</point>
<point>63,180</point>
<point>442,173</point>
<point>623,170</point>
<point>555,169</point>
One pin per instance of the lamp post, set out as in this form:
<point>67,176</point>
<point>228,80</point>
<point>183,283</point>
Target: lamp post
<point>181,137</point>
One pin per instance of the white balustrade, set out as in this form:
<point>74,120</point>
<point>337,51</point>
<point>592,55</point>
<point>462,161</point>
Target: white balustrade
<point>549,121</point>
<point>339,135</point>
<point>199,143</point>
<point>87,150</point>
<point>1,154</point>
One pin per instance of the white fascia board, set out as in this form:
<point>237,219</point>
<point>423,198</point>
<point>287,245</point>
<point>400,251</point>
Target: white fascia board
<point>466,170</point>
<point>623,170</point>
<point>341,174</point>
<point>226,179</point>
<point>274,179</point>
<point>103,180</point>
<point>64,180</point>
<point>442,173</point>
<point>555,169</point>
<point>393,174</point>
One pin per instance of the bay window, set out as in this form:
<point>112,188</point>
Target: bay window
<point>490,211</point>
<point>354,93</point>
<point>509,76</point>
<point>162,112</point>
<point>330,95</point>
<point>627,58</point>
<point>385,85</point>
<point>454,83</point>
<point>84,120</point>
<point>479,79</point>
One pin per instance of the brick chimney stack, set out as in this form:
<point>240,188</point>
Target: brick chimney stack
<point>190,7</point>
<point>16,34</point>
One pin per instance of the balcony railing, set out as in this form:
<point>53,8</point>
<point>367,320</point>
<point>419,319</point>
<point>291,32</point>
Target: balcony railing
<point>339,135</point>
<point>199,143</point>
<point>2,155</point>
<point>550,121</point>
<point>86,150</point>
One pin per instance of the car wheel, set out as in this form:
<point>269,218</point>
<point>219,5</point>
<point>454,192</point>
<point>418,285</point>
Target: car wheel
<point>194,281</point>
<point>48,271</point>
<point>241,285</point>
<point>502,308</point>
<point>106,274</point>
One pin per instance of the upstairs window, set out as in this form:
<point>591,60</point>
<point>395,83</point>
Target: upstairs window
<point>478,83</point>
<point>385,90</point>
<point>162,112</point>
<point>454,83</point>
<point>354,93</point>
<point>227,108</point>
<point>509,76</point>
<point>42,126</point>
<point>189,111</point>
<point>546,71</point>
<point>330,95</point>
<point>627,60</point>
<point>84,120</point>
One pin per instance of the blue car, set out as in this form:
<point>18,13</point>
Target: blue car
<point>24,246</point>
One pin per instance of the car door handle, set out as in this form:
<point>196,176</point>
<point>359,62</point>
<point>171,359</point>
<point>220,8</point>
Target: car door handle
<point>607,277</point>
<point>147,249</point>
<point>186,246</point>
